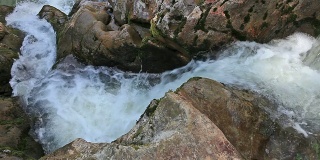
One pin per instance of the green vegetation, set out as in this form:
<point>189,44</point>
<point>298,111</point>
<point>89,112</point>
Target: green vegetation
<point>139,131</point>
<point>264,25</point>
<point>201,23</point>
<point>265,15</point>
<point>151,108</point>
<point>246,18</point>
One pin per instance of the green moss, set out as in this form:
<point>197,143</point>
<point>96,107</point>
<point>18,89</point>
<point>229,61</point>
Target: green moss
<point>201,23</point>
<point>224,2</point>
<point>17,121</point>
<point>236,33</point>
<point>226,13</point>
<point>181,25</point>
<point>215,9</point>
<point>316,147</point>
<point>251,9</point>
<point>154,30</point>
<point>136,147</point>
<point>16,152</point>
<point>291,18</point>
<point>288,9</point>
<point>264,25</point>
<point>246,18</point>
<point>242,27</point>
<point>139,131</point>
<point>199,2</point>
<point>151,108</point>
<point>298,157</point>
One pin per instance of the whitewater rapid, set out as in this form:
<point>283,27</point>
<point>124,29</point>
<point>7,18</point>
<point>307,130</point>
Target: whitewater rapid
<point>99,104</point>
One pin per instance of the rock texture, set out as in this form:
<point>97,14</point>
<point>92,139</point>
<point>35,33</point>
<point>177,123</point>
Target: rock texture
<point>94,37</point>
<point>185,124</point>
<point>10,43</point>
<point>15,143</point>
<point>53,16</point>
<point>204,25</point>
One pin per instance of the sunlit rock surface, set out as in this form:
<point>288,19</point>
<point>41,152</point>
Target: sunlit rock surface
<point>185,124</point>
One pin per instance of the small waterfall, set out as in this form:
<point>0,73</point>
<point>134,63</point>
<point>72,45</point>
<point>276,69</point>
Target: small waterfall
<point>99,104</point>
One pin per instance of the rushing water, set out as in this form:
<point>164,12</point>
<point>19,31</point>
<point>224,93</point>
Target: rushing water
<point>99,104</point>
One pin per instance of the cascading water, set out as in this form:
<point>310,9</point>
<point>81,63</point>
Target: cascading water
<point>99,104</point>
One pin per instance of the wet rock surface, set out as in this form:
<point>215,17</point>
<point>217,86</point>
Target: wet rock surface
<point>15,142</point>
<point>53,16</point>
<point>96,38</point>
<point>10,43</point>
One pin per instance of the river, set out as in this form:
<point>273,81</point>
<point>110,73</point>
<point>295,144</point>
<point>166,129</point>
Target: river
<point>99,104</point>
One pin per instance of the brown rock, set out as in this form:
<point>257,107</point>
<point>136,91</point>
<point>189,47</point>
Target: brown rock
<point>53,16</point>
<point>3,31</point>
<point>4,11</point>
<point>246,120</point>
<point>15,143</point>
<point>95,38</point>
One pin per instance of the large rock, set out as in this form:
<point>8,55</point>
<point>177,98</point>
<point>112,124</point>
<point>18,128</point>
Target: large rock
<point>10,43</point>
<point>206,25</point>
<point>15,142</point>
<point>183,124</point>
<point>54,16</point>
<point>94,37</point>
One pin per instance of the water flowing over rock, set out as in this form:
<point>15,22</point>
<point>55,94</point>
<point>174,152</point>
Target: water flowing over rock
<point>185,124</point>
<point>10,43</point>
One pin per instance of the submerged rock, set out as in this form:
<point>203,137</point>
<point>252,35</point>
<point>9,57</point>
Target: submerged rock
<point>203,119</point>
<point>15,142</point>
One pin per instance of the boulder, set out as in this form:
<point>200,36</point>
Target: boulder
<point>96,38</point>
<point>15,142</point>
<point>4,11</point>
<point>53,16</point>
<point>248,121</point>
<point>207,25</point>
<point>10,42</point>
<point>203,119</point>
